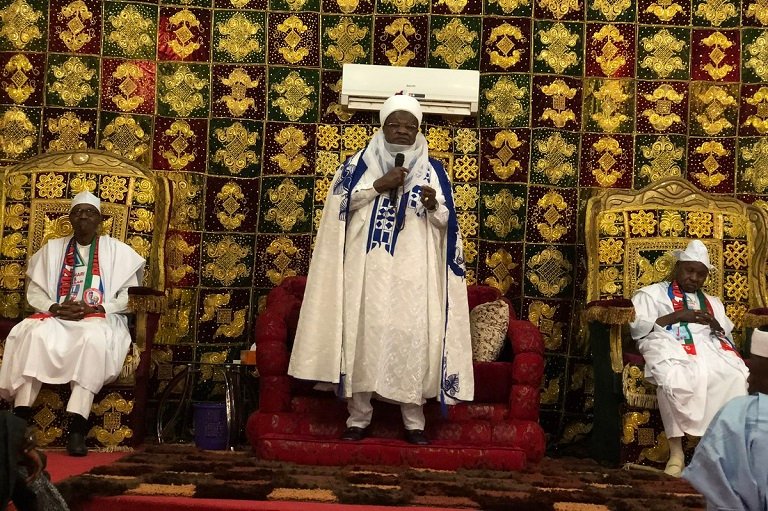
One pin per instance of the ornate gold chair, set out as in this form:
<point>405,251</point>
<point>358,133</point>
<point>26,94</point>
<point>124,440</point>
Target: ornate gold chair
<point>629,236</point>
<point>34,206</point>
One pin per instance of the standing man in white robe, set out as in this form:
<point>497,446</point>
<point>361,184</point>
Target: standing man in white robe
<point>79,335</point>
<point>685,339</point>
<point>385,310</point>
<point>730,465</point>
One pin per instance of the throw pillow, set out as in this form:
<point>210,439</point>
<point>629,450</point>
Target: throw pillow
<point>488,322</point>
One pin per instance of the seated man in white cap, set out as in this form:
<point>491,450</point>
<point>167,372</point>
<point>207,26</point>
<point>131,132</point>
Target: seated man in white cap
<point>684,337</point>
<point>385,311</point>
<point>79,287</point>
<point>730,465</point>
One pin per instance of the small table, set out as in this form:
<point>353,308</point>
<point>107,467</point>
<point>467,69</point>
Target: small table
<point>232,398</point>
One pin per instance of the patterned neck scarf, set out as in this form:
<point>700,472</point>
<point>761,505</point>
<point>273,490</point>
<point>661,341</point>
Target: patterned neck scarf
<point>92,276</point>
<point>680,302</point>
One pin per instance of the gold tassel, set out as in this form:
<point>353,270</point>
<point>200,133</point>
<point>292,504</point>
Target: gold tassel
<point>131,363</point>
<point>755,320</point>
<point>611,315</point>
<point>617,357</point>
<point>148,303</point>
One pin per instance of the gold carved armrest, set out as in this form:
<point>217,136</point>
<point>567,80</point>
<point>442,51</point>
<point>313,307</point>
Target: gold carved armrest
<point>146,304</point>
<point>615,312</point>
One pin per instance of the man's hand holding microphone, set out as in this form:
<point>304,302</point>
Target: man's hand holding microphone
<point>395,178</point>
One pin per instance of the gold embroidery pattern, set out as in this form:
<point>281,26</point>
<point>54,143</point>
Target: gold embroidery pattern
<point>663,99</point>
<point>355,137</point>
<point>466,140</point>
<point>184,24</point>
<point>227,265</point>
<point>72,79</point>
<point>287,198</point>
<point>559,113</point>
<point>466,196</point>
<point>611,250</point>
<point>611,97</point>
<point>13,246</point>
<point>17,133</point>
<point>717,100</point>
<point>113,188</point>
<point>507,6</point>
<point>69,128</point>
<point>716,11</point>
<point>237,100</point>
<point>501,217</point>
<point>131,31</point>
<point>176,154</point>
<point>736,255</point>
<point>699,224</point>
<point>663,49</point>
<point>82,182</point>
<point>229,199</point>
<point>78,18</point>
<point>343,113</point>
<point>236,153</point>
<point>718,42</point>
<point>505,101</point>
<point>283,250</point>
<point>327,163</point>
<point>293,99</point>
<point>293,141</point>
<point>671,223</point>
<point>129,73</point>
<point>664,158</point>
<point>182,91</point>
<point>558,53</point>
<point>542,315</point>
<point>20,86</point>
<point>560,9</point>
<point>549,271</point>
<point>465,168</point>
<point>609,60</point>
<point>759,11</point>
<point>177,249</point>
<point>605,173</point>
<point>455,6</point>
<point>501,264</point>
<point>405,5</point>
<point>455,42</point>
<point>610,281</point>
<point>759,120</point>
<point>438,139</point>
<point>347,36</point>
<point>711,177</point>
<point>328,138</point>
<point>347,6</point>
<point>665,10</point>
<point>611,9</point>
<point>401,29</point>
<point>552,205</point>
<point>555,164</point>
<point>19,24</point>
<point>293,28</point>
<point>50,186</point>
<point>736,287</point>
<point>642,223</point>
<point>503,164</point>
<point>467,223</point>
<point>756,156</point>
<point>758,56</point>
<point>238,36</point>
<point>15,216</point>
<point>125,137</point>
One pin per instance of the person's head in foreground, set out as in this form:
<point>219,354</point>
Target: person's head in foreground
<point>758,362</point>
<point>692,266</point>
<point>400,118</point>
<point>85,216</point>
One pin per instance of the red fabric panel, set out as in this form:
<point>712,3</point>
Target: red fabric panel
<point>462,433</point>
<point>525,435</point>
<point>476,411</point>
<point>481,294</point>
<point>525,337</point>
<point>492,381</point>
<point>275,394</point>
<point>524,402</point>
<point>528,368</point>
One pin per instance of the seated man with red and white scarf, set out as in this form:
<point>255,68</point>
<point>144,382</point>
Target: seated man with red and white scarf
<point>684,337</point>
<point>79,335</point>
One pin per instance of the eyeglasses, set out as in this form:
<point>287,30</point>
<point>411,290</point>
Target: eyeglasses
<point>397,125</point>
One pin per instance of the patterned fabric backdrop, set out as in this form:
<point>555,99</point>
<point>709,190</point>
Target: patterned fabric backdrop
<point>237,101</point>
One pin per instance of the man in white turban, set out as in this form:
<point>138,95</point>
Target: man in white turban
<point>385,311</point>
<point>685,339</point>
<point>79,287</point>
<point>730,465</point>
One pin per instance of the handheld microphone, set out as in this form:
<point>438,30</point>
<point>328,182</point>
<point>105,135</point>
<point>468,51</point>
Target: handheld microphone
<point>399,159</point>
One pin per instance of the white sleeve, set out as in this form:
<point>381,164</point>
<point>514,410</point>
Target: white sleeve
<point>361,197</point>
<point>119,304</point>
<point>37,297</point>
<point>646,314</point>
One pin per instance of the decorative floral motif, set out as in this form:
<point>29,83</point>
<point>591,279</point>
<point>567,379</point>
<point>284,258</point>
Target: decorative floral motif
<point>17,133</point>
<point>606,172</point>
<point>553,205</point>
<point>176,153</point>
<point>549,271</point>
<point>78,17</point>
<point>505,101</point>
<point>671,223</point>
<point>711,177</point>
<point>293,100</point>
<point>555,164</point>
<point>716,11</point>
<point>125,137</point>
<point>559,113</point>
<point>184,25</point>
<point>501,217</point>
<point>757,56</point>
<point>182,91</point>
<point>718,42</point>
<point>699,224</point>
<point>560,9</point>
<point>503,163</point>
<point>642,223</point>
<point>501,264</point>
<point>455,42</point>
<point>611,96</point>
<point>611,9</point>
<point>287,198</point>
<point>663,49</point>
<point>227,265</point>
<point>293,142</point>
<point>236,153</point>
<point>610,59</point>
<point>663,98</point>
<point>132,31</point>
<point>346,36</point>
<point>129,73</point>
<point>756,169</point>
<point>665,10</point>
<point>665,159</point>
<point>177,249</point>
<point>50,185</point>
<point>558,53</point>
<point>293,28</point>
<point>20,87</point>
<point>400,29</point>
<point>238,36</point>
<point>438,139</point>
<point>229,206</point>
<point>759,11</point>
<point>19,24</point>
<point>69,128</point>
<point>237,100</point>
<point>113,188</point>
<point>717,100</point>
<point>72,79</point>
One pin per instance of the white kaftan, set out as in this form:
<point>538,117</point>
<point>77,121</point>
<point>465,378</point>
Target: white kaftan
<point>691,388</point>
<point>385,310</point>
<point>90,351</point>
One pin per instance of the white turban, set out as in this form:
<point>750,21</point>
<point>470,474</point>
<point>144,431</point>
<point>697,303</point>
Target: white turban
<point>759,345</point>
<point>400,102</point>
<point>696,252</point>
<point>85,197</point>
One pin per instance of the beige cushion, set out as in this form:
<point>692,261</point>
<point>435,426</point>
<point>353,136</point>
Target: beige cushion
<point>489,322</point>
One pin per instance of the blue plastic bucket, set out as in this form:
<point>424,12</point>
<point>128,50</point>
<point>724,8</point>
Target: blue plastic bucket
<point>210,420</point>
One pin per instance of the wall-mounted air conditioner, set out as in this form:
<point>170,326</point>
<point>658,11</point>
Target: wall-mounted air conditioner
<point>439,91</point>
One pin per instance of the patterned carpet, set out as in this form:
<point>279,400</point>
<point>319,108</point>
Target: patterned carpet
<point>564,484</point>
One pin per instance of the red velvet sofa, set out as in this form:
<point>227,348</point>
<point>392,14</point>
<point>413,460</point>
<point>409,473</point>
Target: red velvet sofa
<point>297,423</point>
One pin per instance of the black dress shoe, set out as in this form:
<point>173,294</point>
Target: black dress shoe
<point>76,444</point>
<point>354,434</point>
<point>416,437</point>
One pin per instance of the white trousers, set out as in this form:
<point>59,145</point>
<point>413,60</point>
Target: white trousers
<point>79,402</point>
<point>361,411</point>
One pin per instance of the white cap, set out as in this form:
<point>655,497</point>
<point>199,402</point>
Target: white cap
<point>85,197</point>
<point>695,252</point>
<point>759,344</point>
<point>400,102</point>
